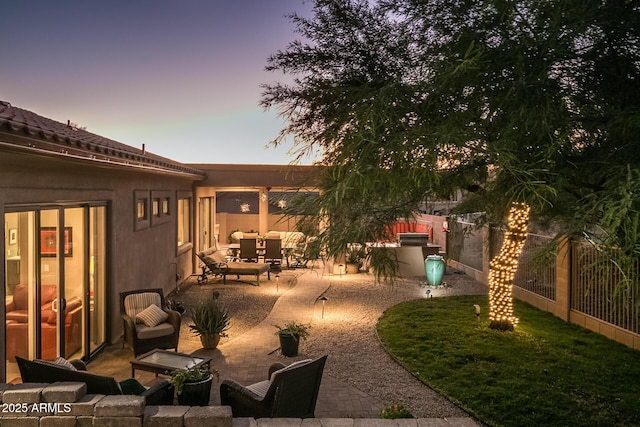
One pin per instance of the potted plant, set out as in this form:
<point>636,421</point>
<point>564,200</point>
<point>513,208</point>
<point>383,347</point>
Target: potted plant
<point>193,386</point>
<point>210,321</point>
<point>175,306</point>
<point>290,336</point>
<point>354,258</point>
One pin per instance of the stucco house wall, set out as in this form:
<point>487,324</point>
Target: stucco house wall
<point>136,259</point>
<point>35,173</point>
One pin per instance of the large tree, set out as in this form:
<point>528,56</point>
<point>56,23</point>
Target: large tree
<point>532,105</point>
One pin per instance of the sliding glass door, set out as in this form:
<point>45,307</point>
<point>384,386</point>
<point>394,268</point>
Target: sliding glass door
<point>55,280</point>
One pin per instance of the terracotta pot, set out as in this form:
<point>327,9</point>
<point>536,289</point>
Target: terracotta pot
<point>209,342</point>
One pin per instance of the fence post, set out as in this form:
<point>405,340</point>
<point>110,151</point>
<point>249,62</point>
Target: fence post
<point>563,279</point>
<point>486,252</point>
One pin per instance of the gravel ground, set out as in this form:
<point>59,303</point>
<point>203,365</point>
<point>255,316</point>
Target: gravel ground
<point>347,331</point>
<point>237,296</point>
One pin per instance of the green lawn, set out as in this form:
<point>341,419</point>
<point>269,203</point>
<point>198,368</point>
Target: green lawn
<point>545,373</point>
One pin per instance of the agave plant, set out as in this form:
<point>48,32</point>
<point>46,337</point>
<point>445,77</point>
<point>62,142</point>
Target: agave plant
<point>210,318</point>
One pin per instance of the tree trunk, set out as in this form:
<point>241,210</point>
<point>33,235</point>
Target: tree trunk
<point>502,269</point>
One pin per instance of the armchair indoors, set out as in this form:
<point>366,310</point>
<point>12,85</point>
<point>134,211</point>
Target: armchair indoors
<point>147,327</point>
<point>17,326</point>
<point>290,392</point>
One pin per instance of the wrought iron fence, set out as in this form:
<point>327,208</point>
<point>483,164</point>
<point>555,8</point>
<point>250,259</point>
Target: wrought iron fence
<point>602,288</point>
<point>536,267</point>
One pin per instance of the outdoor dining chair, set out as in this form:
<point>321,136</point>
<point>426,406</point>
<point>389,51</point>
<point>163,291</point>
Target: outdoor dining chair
<point>248,250</point>
<point>273,253</point>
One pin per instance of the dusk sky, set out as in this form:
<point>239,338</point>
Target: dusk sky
<point>180,76</point>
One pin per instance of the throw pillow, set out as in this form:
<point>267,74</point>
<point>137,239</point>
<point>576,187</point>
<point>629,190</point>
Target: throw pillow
<point>132,386</point>
<point>64,362</point>
<point>135,303</point>
<point>292,366</point>
<point>219,257</point>
<point>152,316</point>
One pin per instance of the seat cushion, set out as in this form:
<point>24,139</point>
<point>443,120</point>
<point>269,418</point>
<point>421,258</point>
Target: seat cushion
<point>260,388</point>
<point>145,332</point>
<point>135,303</point>
<point>247,267</point>
<point>152,316</point>
<point>219,257</point>
<point>19,316</point>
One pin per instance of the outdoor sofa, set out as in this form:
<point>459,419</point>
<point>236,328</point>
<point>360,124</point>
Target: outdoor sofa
<point>43,371</point>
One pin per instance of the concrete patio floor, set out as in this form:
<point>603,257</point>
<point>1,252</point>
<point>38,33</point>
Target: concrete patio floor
<point>246,358</point>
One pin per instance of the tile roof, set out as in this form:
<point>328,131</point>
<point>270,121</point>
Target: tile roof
<point>37,133</point>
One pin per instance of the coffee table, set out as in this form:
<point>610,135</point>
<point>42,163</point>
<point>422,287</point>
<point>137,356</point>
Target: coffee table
<point>164,362</point>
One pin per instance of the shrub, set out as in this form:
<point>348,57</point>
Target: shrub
<point>395,411</point>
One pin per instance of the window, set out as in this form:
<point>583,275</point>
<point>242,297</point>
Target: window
<point>155,207</point>
<point>141,210</point>
<point>160,207</point>
<point>184,221</point>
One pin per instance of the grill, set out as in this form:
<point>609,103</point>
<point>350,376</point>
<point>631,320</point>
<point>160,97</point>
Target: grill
<point>413,239</point>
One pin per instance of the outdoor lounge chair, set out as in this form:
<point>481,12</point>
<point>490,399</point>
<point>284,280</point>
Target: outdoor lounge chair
<point>42,371</point>
<point>290,392</point>
<point>214,263</point>
<point>144,332</point>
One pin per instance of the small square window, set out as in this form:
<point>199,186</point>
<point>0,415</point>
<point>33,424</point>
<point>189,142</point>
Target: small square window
<point>160,207</point>
<point>142,210</point>
<point>155,207</point>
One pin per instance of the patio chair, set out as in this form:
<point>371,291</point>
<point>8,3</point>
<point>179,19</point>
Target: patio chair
<point>290,392</point>
<point>273,253</point>
<point>248,250</point>
<point>146,327</point>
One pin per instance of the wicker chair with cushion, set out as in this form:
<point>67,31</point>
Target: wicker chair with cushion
<point>147,323</point>
<point>290,392</point>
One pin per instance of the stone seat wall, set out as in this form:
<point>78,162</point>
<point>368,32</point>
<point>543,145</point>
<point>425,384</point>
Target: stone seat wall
<point>67,405</point>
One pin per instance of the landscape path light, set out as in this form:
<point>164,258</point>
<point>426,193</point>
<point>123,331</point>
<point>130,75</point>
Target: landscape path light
<point>323,299</point>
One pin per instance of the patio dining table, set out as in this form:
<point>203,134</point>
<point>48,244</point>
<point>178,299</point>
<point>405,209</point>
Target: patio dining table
<point>287,249</point>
